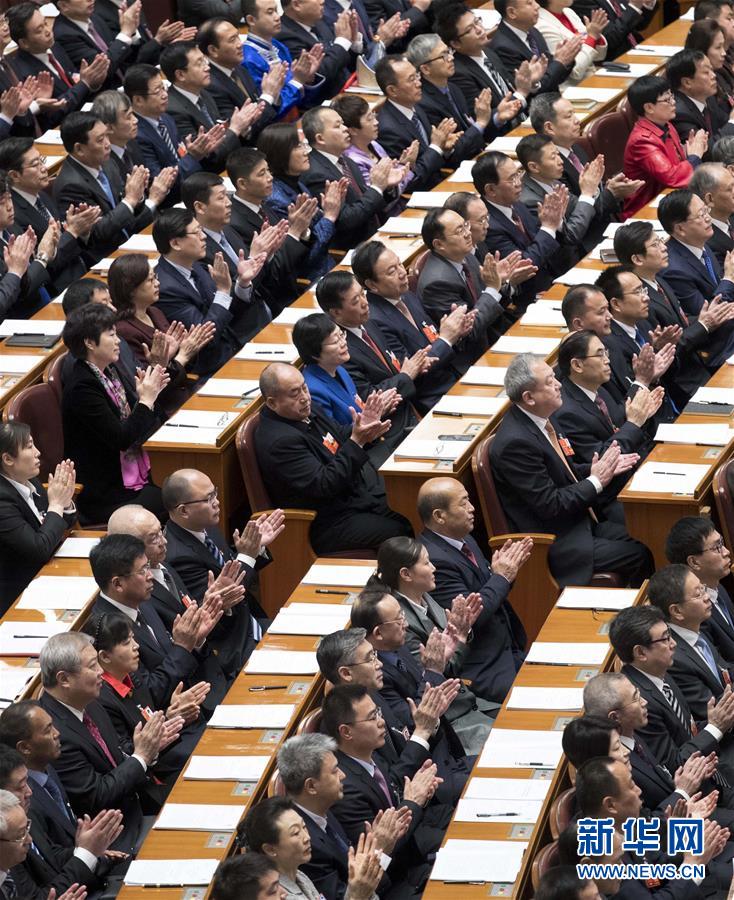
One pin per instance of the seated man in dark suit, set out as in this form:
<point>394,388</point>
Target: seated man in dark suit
<point>713,182</point>
<point>498,180</point>
<point>198,551</point>
<point>362,211</point>
<point>115,110</point>
<point>542,490</point>
<point>402,121</point>
<point>452,276</point>
<point>518,40</point>
<point>38,54</point>
<point>57,848</point>
<point>189,294</point>
<point>33,519</point>
<point>91,767</point>
<point>307,460</point>
<point>693,82</point>
<point>627,19</point>
<point>146,46</point>
<point>694,542</point>
<point>498,648</point>
<point>697,667</point>
<point>414,13</point>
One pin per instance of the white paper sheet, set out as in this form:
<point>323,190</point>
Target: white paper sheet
<point>58,592</point>
<point>20,364</point>
<point>268,352</point>
<point>612,227</point>
<point>140,243</point>
<point>314,624</point>
<point>229,387</point>
<point>285,662</point>
<point>605,245</point>
<point>498,811</point>
<point>27,638</point>
<point>546,698</point>
<point>504,144</point>
<point>299,610</point>
<point>491,375</point>
<point>402,225</point>
<point>171,434</point>
<point>579,276</point>
<point>202,418</point>
<point>490,17</point>
<point>52,136</point>
<point>601,95</point>
<point>431,449</point>
<point>199,816</point>
<point>717,435</point>
<point>102,265</point>
<point>226,768</point>
<point>713,395</point>
<point>595,598</point>
<point>13,680</point>
<point>9,327</point>
<point>511,344</point>
<point>478,861</point>
<point>567,654</point>
<point>515,748</point>
<point>688,15</point>
<point>428,199</point>
<point>249,715</point>
<point>76,548</point>
<point>667,477</point>
<point>470,406</point>
<point>544,312</point>
<point>653,50</point>
<point>636,70</point>
<point>292,314</point>
<point>507,789</point>
<point>463,173</point>
<point>171,872</point>
<point>353,576</point>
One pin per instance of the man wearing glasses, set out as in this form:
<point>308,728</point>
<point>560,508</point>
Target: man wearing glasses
<point>654,152</point>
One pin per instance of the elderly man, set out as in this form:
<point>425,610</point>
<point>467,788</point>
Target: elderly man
<point>542,489</point>
<point>306,459</point>
<point>714,184</point>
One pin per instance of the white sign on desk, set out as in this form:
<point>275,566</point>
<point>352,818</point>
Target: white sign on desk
<point>667,478</point>
<point>653,50</point>
<point>507,789</point>
<point>9,327</point>
<point>263,352</point>
<point>27,638</point>
<point>229,387</point>
<point>489,375</point>
<point>20,364</point>
<point>159,873</point>
<point>58,592</point>
<point>470,810</point>
<point>461,404</point>
<point>402,225</point>
<point>464,862</point>
<point>251,715</point>
<point>226,768</point>
<point>199,816</point>
<point>595,598</point>
<point>546,698</point>
<point>601,95</point>
<point>76,548</point>
<point>282,662</point>
<point>521,344</point>
<point>52,136</point>
<point>428,199</point>
<point>559,653</point>
<point>544,312</point>
<point>353,576</point>
<point>517,748</point>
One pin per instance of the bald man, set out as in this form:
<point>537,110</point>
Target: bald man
<point>498,649</point>
<point>170,597</point>
<point>308,460</point>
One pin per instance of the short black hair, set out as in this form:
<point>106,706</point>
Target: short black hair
<point>682,65</point>
<point>687,538</point>
<point>113,556</point>
<point>277,142</point>
<point>595,781</point>
<point>459,202</point>
<point>608,281</point>
<point>364,260</point>
<point>137,79</point>
<point>338,707</point>
<point>14,437</point>
<point>15,723</point>
<point>108,630</point>
<point>668,586</point>
<point>433,229</point>
<point>87,323</point>
<point>238,878</point>
<point>75,129</point>
<point>170,223</point>
<point>174,57</point>
<point>385,71</point>
<point>206,36</point>
<point>631,628</point>
<point>330,289</point>
<point>542,110</point>
<point>80,293</point>
<point>364,612</point>
<point>486,169</point>
<point>261,822</point>
<point>351,108</point>
<point>630,240</point>
<point>242,161</point>
<point>10,760</point>
<point>197,188</point>
<point>706,9</point>
<point>13,149</point>
<point>574,301</point>
<point>530,148</point>
<point>586,737</point>
<point>446,21</point>
<point>574,346</point>
<point>18,16</point>
<point>674,208</point>
<point>647,89</point>
<point>309,334</point>
<point>702,34</point>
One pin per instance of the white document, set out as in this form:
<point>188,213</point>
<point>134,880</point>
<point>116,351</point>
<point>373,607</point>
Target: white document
<point>478,861</point>
<point>9,327</point>
<point>140,243</point>
<point>507,789</point>
<point>401,248</point>
<point>470,406</point>
<point>402,225</point>
<point>579,276</point>
<point>52,136</point>
<point>20,364</point>
<point>58,592</point>
<point>51,161</point>
<point>431,449</point>
<point>353,576</point>
<point>546,698</point>
<point>636,70</point>
<point>601,95</point>
<point>543,312</point>
<point>667,478</point>
<point>299,610</point>
<point>229,387</point>
<point>428,199</point>
<point>567,654</point>
<point>653,50</point>
<point>171,872</point>
<point>605,245</point>
<point>292,314</point>
<point>312,624</point>
<point>249,715</point>
<point>201,418</point>
<point>171,434</point>
<point>513,812</point>
<point>282,662</point>
<point>103,265</point>
<point>226,768</point>
<point>492,375</point>
<point>268,352</point>
<point>27,638</point>
<point>199,816</point>
<point>363,89</point>
<point>594,598</point>
<point>13,680</point>
<point>713,395</point>
<point>511,344</point>
<point>463,173</point>
<point>688,15</point>
<point>504,144</point>
<point>717,435</point>
<point>76,548</point>
<point>514,748</point>
<point>612,227</point>
<point>490,17</point>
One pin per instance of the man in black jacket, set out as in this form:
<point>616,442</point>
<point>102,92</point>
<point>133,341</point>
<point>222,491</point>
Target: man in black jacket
<point>714,184</point>
<point>693,82</point>
<point>307,460</point>
<point>627,19</point>
<point>146,46</point>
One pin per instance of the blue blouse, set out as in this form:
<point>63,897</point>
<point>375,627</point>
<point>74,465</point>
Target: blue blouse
<point>333,395</point>
<point>318,262</point>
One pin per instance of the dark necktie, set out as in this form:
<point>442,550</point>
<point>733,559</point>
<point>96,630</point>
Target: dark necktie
<point>533,44</point>
<point>170,583</point>
<point>8,72</point>
<point>349,175</point>
<point>422,136</point>
<point>456,113</point>
<point>469,282</point>
<point>702,645</point>
<point>337,838</point>
<point>168,140</point>
<point>619,11</point>
<point>519,224</point>
<point>375,349</point>
<point>678,313</point>
<point>604,409</point>
<point>214,550</point>
<point>467,552</point>
<point>42,210</point>
<point>575,162</point>
<point>241,84</point>
<point>140,621</point>
<point>675,706</point>
<point>59,69</point>
<point>721,607</point>
<point>205,112</point>
<point>707,120</point>
<point>709,265</point>
<point>9,888</point>
<point>382,784</point>
<point>97,38</point>
<point>52,789</point>
<point>96,735</point>
<point>639,337</point>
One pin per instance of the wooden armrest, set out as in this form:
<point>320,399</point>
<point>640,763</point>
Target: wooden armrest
<point>291,515</point>
<point>538,539</point>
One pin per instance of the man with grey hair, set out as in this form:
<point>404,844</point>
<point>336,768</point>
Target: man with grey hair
<point>714,184</point>
<point>542,489</point>
<point>92,767</point>
<point>115,109</point>
<point>15,842</point>
<point>723,151</point>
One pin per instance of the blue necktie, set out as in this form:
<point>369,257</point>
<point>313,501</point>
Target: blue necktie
<point>228,249</point>
<point>52,789</point>
<point>724,612</point>
<point>214,550</point>
<point>423,137</point>
<point>709,266</point>
<point>703,646</point>
<point>205,112</point>
<point>639,337</point>
<point>336,837</point>
<point>105,185</point>
<point>168,140</point>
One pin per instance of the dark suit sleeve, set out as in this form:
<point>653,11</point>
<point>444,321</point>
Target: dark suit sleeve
<point>178,308</point>
<point>34,547</point>
<point>116,433</point>
<point>585,443</point>
<point>618,28</point>
<point>74,871</point>
<point>9,292</point>
<point>429,162</point>
<point>109,227</point>
<point>352,215</point>
<point>455,664</point>
<point>540,250</point>
<point>404,385</point>
<point>99,791</point>
<point>177,665</point>
<point>449,584</point>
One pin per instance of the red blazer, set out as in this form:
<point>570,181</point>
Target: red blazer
<point>661,163</point>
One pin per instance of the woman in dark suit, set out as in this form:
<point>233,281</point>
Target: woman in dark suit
<point>105,424</point>
<point>708,37</point>
<point>32,519</point>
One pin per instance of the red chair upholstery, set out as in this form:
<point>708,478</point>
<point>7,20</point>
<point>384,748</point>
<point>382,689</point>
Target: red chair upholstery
<point>38,407</point>
<point>52,375</point>
<point>724,498</point>
<point>546,858</point>
<point>561,811</point>
<point>415,270</point>
<point>309,724</point>
<point>608,135</point>
<point>276,788</point>
<point>630,115</point>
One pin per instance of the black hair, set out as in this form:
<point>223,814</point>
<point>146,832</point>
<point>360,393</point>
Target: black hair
<point>80,293</point>
<point>574,346</point>
<point>87,322</point>
<point>309,334</point>
<point>75,129</point>
<point>630,240</point>
<point>331,288</point>
<point>169,224</point>
<point>338,707</point>
<point>175,57</point>
<point>647,89</point>
<point>674,208</point>
<point>682,65</point>
<point>587,737</point>
<point>238,878</point>
<point>630,628</point>
<point>687,538</point>
<point>668,586</point>
<point>114,556</point>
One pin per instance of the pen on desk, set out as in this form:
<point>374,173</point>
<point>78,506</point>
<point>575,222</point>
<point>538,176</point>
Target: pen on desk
<point>181,425</point>
<point>454,415</point>
<point>267,687</point>
<point>519,762</point>
<point>679,474</point>
<point>269,352</point>
<point>489,815</point>
<point>326,591</point>
<point>19,636</point>
<point>251,391</point>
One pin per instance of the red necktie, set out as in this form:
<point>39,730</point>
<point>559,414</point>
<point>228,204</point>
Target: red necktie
<point>683,316</point>
<point>382,784</point>
<point>466,551</point>
<point>59,69</point>
<point>575,162</point>
<point>519,224</point>
<point>376,350</point>
<point>469,283</point>
<point>96,734</point>
<point>605,412</point>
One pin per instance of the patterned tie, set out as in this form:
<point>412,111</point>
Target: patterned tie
<point>533,44</point>
<point>469,282</point>
<point>214,550</point>
<point>382,784</point>
<point>104,183</point>
<point>675,706</point>
<point>519,224</point>
<point>9,888</point>
<point>676,312</point>
<point>205,112</point>
<point>96,734</point>
<point>170,583</point>
<point>467,552</point>
<point>228,249</point>
<point>241,84</point>
<point>42,210</point>
<point>599,401</point>
<point>702,645</point>
<point>8,72</point>
<point>52,789</point>
<point>163,132</point>
<point>706,259</point>
<point>422,136</point>
<point>575,162</point>
<point>59,69</point>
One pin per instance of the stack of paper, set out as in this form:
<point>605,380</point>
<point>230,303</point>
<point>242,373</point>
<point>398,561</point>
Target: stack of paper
<point>713,395</point>
<point>103,265</point>
<point>507,789</point>
<point>464,405</point>
<point>510,344</point>
<point>412,448</point>
<point>636,70</point>
<point>234,715</point>
<point>171,872</point>
<point>13,680</point>
<point>513,812</point>
<point>353,576</point>
<point>199,816</point>
<point>463,173</point>
<point>310,618</point>
<point>20,364</point>
<point>229,387</point>
<point>139,243</point>
<point>226,768</point>
<point>292,314</point>
<point>544,312</point>
<point>667,478</point>
<point>464,862</point>
<point>504,144</point>
<point>512,748</point>
<point>546,698</point>
<point>76,548</point>
<point>403,225</point>
<point>27,638</point>
<point>10,327</point>
<point>428,199</point>
<point>491,375</point>
<point>268,352</point>
<point>596,598</point>
<point>653,50</point>
<point>712,435</point>
<point>612,227</point>
<point>579,276</point>
<point>58,592</point>
<point>171,434</point>
<point>52,136</point>
<point>601,95</point>
<point>558,653</point>
<point>202,418</point>
<point>282,662</point>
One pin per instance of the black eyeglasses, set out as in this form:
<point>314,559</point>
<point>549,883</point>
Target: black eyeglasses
<point>208,499</point>
<point>665,639</point>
